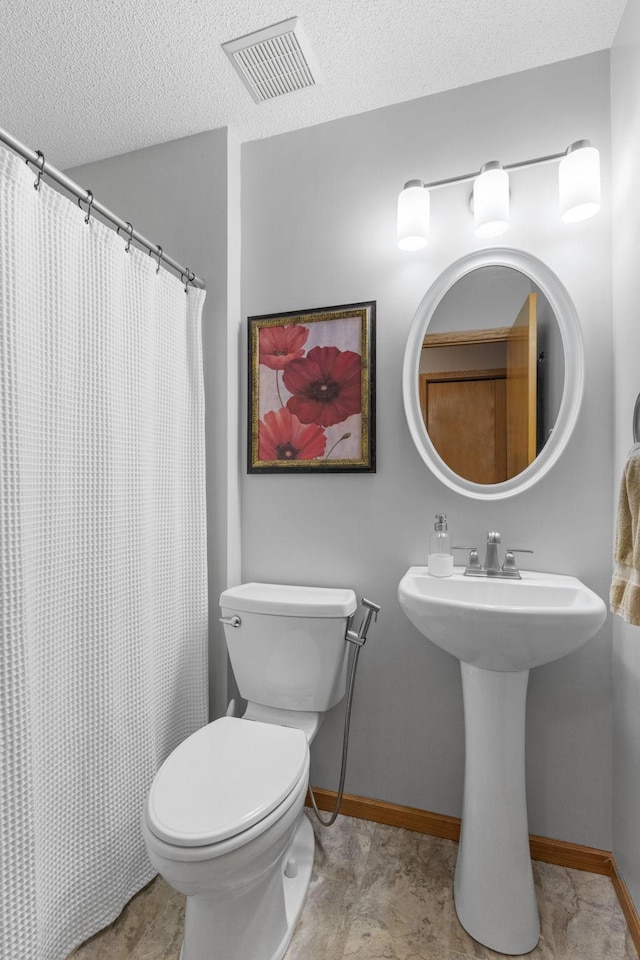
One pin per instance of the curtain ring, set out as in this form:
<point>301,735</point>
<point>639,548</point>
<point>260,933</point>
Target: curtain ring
<point>40,154</point>
<point>190,276</point>
<point>130,232</point>
<point>90,202</point>
<point>158,254</point>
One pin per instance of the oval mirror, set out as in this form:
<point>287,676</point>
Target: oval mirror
<point>493,373</point>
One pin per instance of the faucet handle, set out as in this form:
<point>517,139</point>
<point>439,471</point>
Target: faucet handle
<point>473,562</point>
<point>509,566</point>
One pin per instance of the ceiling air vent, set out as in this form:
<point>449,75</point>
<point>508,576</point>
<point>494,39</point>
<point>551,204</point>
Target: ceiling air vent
<point>274,61</point>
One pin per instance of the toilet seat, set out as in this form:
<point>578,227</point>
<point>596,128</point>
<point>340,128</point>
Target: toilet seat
<point>223,780</point>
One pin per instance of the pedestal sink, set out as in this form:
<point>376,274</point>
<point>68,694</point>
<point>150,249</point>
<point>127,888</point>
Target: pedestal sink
<point>498,629</point>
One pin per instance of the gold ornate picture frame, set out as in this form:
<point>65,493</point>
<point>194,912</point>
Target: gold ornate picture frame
<point>312,390</point>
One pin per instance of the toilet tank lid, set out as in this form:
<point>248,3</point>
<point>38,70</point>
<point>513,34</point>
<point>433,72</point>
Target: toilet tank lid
<point>281,600</point>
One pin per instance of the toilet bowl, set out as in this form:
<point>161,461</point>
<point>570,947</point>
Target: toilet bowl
<point>224,821</point>
<point>224,825</point>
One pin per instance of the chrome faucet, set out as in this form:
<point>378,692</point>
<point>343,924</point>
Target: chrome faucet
<point>491,562</point>
<point>508,570</point>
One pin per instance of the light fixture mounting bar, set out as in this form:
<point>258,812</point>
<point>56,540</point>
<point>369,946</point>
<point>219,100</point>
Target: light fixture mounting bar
<point>466,177</point>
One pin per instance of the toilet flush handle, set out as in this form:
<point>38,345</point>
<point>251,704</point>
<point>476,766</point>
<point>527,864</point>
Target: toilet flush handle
<point>232,621</point>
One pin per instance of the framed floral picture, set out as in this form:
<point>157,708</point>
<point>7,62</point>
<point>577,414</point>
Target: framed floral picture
<point>312,390</point>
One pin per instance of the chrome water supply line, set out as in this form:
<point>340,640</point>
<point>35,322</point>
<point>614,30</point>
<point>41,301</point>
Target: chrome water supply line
<point>358,638</point>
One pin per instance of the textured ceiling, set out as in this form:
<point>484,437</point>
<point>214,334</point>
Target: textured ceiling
<point>87,79</point>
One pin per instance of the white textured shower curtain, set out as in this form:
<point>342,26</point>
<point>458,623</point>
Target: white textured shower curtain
<point>102,559</point>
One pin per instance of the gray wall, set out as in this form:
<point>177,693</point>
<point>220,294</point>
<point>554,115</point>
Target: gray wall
<point>318,224</point>
<point>318,228</point>
<point>625,121</point>
<point>185,195</point>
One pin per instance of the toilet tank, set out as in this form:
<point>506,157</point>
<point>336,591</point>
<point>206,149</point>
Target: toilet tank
<point>289,650</point>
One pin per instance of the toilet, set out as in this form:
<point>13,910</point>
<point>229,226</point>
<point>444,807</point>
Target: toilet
<point>224,821</point>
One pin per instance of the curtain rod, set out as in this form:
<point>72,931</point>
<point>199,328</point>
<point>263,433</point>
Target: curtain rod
<point>44,167</point>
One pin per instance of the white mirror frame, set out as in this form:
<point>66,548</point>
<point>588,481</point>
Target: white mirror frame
<point>572,346</point>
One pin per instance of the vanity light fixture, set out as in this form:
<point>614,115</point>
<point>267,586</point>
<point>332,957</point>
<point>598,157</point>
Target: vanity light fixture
<point>579,194</point>
<point>579,182</point>
<point>413,216</point>
<point>491,200</point>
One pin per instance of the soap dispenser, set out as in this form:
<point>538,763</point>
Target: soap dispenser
<point>440,558</point>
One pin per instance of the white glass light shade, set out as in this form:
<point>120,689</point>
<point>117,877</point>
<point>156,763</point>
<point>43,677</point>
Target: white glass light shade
<point>413,216</point>
<point>491,201</point>
<point>579,182</point>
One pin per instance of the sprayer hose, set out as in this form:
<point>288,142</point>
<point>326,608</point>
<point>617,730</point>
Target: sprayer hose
<point>345,743</point>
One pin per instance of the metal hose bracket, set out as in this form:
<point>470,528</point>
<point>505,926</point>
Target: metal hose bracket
<point>359,636</point>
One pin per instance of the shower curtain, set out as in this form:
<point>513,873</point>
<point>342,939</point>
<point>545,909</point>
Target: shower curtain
<point>102,559</point>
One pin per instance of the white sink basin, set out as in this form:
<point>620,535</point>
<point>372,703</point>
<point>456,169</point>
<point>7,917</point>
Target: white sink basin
<point>502,624</point>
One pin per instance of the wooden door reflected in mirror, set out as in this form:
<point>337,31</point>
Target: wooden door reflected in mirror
<point>483,421</point>
<point>484,390</point>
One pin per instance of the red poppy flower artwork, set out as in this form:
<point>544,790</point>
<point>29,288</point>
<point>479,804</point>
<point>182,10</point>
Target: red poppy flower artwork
<point>283,437</point>
<point>325,386</point>
<point>312,390</point>
<point>280,345</point>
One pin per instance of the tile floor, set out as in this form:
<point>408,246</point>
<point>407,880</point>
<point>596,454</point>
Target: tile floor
<point>382,892</point>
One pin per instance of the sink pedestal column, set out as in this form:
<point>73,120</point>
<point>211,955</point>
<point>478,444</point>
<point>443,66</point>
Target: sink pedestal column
<point>494,893</point>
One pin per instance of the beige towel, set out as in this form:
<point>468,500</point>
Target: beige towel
<point>624,597</point>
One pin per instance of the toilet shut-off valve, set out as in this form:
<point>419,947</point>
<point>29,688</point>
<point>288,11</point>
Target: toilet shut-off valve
<point>359,636</point>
